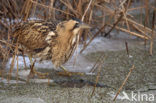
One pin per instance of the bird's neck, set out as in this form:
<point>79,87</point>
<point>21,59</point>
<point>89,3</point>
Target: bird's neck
<point>64,48</point>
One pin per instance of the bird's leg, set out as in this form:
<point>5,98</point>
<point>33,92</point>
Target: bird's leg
<point>68,73</point>
<point>33,71</point>
<point>31,74</point>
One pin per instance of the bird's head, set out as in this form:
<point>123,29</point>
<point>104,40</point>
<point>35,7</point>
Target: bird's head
<point>73,26</point>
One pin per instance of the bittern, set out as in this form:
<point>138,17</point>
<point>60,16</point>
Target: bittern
<point>55,41</point>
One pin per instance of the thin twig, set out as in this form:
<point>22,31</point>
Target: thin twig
<point>82,19</point>
<point>140,26</point>
<point>51,8</point>
<point>17,70</point>
<point>130,32</point>
<point>12,62</point>
<point>24,60</point>
<point>126,44</point>
<point>124,82</point>
<point>97,78</point>
<point>139,30</point>
<point>152,34</point>
<point>119,19</point>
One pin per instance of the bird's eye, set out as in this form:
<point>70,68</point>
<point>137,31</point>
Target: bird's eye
<point>76,26</point>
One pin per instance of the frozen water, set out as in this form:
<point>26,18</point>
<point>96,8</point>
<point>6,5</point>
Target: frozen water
<point>5,81</point>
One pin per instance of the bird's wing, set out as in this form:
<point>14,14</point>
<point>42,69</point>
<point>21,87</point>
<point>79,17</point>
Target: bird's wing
<point>35,35</point>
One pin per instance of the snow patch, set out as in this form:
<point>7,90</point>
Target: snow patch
<point>44,64</point>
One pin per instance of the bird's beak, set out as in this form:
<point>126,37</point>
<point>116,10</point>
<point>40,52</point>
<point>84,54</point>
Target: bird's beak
<point>84,26</point>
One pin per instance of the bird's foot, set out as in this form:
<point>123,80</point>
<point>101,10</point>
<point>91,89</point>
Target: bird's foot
<point>41,75</point>
<point>33,72</point>
<point>68,73</point>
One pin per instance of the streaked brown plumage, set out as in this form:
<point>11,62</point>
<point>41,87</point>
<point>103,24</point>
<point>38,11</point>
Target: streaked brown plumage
<point>49,40</point>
